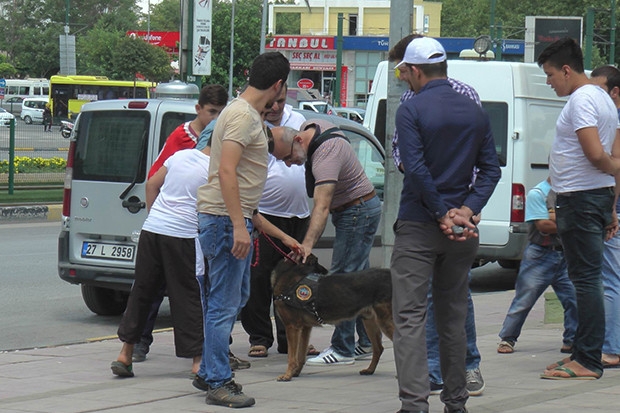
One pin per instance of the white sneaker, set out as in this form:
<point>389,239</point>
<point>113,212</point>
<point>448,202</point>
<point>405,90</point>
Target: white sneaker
<point>362,353</point>
<point>329,357</point>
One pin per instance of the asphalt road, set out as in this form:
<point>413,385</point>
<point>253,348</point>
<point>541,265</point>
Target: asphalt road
<point>37,308</point>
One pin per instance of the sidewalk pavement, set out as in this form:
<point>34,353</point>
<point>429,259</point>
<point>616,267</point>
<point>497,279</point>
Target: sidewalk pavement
<point>77,378</point>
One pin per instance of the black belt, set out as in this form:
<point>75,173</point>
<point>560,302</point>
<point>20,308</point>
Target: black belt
<point>354,202</point>
<point>552,247</point>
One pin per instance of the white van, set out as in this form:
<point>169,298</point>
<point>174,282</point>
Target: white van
<point>32,110</point>
<point>523,110</point>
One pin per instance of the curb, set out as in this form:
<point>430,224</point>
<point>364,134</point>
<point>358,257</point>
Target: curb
<point>31,213</point>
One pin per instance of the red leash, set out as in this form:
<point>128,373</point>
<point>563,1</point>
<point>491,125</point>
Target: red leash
<point>273,244</point>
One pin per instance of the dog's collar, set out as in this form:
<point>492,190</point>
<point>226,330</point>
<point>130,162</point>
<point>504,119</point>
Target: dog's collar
<point>302,295</point>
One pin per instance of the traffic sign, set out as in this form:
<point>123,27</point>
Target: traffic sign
<point>2,87</point>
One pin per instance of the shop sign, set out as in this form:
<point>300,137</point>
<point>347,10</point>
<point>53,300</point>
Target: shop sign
<point>301,43</point>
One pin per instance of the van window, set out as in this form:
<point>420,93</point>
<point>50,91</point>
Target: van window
<point>169,122</point>
<point>370,158</point>
<point>498,115</point>
<point>380,121</point>
<point>111,146</point>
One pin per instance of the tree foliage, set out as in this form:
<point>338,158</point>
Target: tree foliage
<point>472,18</point>
<point>165,16</point>
<point>248,17</point>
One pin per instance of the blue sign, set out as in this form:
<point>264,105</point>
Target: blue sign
<point>2,82</point>
<point>379,43</point>
<point>516,47</point>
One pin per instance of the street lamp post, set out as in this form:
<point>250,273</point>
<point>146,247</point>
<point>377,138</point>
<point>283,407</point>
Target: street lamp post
<point>232,50</point>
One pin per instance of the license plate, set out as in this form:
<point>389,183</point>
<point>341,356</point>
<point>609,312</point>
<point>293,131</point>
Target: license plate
<point>108,251</point>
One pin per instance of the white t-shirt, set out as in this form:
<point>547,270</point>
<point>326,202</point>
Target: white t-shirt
<point>285,189</point>
<point>174,211</point>
<point>570,170</point>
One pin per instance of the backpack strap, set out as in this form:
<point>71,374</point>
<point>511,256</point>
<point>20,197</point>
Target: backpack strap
<point>312,147</point>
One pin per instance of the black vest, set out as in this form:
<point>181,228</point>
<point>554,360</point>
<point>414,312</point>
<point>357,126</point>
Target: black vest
<point>312,147</point>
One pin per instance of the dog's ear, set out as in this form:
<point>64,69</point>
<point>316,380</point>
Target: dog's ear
<point>313,262</point>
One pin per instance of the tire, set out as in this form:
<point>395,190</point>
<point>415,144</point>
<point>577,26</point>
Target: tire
<point>104,301</point>
<point>28,120</point>
<point>509,264</point>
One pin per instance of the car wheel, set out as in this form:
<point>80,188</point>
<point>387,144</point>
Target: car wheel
<point>28,120</point>
<point>104,301</point>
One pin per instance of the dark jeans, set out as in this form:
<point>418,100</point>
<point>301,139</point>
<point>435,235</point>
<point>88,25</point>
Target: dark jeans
<point>581,219</point>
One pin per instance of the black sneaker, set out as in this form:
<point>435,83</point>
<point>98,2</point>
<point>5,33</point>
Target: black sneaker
<point>229,395</point>
<point>201,384</point>
<point>236,363</point>
<point>140,351</point>
<point>475,382</point>
<point>436,388</point>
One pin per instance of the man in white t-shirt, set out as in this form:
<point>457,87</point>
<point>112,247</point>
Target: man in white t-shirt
<point>284,203</point>
<point>169,253</point>
<point>584,162</point>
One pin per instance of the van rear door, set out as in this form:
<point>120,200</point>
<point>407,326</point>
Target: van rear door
<point>115,144</point>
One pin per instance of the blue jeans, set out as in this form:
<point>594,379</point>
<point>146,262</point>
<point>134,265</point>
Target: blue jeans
<point>472,359</point>
<point>581,218</point>
<point>227,287</point>
<point>611,285</point>
<point>540,268</point>
<point>355,232</point>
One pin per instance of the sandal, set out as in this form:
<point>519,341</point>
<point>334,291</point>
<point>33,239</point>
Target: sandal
<point>570,375</point>
<point>121,370</point>
<point>258,351</point>
<point>506,347</point>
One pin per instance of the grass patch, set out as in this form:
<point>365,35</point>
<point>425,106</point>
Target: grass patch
<point>30,196</point>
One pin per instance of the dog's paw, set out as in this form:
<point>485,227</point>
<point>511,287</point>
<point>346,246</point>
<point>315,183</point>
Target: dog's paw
<point>284,377</point>
<point>367,372</point>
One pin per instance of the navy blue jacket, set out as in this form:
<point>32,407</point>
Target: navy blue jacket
<point>443,135</point>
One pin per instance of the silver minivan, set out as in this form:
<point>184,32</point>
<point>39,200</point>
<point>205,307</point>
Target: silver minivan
<point>32,110</point>
<point>111,148</point>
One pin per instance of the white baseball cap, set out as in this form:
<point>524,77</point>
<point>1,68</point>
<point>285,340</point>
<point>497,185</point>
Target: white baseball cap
<point>423,50</point>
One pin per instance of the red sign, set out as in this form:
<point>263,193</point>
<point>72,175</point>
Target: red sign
<point>344,78</point>
<point>301,42</point>
<point>161,39</point>
<point>305,83</point>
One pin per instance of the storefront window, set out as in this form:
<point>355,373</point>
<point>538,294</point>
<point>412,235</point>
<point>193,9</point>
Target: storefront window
<point>365,68</point>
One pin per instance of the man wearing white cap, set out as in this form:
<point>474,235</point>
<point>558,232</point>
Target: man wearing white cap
<point>443,136</point>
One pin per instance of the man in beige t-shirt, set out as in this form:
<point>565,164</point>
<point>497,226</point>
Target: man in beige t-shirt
<point>226,204</point>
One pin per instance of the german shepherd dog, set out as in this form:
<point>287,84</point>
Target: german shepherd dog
<point>304,302</point>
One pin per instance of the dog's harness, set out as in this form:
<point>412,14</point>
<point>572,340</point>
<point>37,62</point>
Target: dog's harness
<point>302,296</point>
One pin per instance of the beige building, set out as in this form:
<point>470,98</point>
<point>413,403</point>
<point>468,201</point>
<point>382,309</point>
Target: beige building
<point>307,37</point>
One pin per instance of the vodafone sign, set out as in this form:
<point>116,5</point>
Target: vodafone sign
<point>305,83</point>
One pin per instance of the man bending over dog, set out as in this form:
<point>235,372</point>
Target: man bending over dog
<point>443,136</point>
<point>336,180</point>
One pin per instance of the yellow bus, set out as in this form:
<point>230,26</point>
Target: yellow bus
<point>69,93</point>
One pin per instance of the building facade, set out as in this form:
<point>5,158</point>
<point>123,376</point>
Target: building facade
<point>307,36</point>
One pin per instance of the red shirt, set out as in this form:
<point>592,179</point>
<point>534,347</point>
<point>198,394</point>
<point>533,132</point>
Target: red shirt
<point>183,137</point>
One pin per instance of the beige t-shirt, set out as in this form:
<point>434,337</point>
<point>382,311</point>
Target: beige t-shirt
<point>241,123</point>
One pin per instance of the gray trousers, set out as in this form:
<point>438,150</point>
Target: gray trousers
<point>421,253</point>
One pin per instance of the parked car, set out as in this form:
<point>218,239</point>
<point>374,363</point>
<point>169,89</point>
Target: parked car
<point>319,106</point>
<point>112,146</point>
<point>354,114</point>
<point>5,117</point>
<point>32,109</point>
<point>12,104</point>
